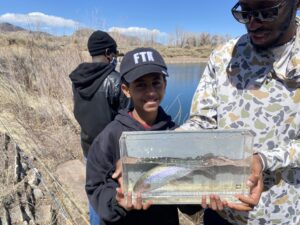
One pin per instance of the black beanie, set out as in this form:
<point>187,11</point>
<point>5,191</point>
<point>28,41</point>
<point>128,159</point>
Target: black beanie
<point>99,41</point>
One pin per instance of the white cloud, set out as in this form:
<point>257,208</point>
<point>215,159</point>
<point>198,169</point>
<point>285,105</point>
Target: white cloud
<point>143,33</point>
<point>137,31</point>
<point>38,18</point>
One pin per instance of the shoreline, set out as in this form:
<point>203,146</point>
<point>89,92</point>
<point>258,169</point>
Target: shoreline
<point>185,59</point>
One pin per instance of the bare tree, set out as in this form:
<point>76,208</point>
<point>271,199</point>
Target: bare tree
<point>217,39</point>
<point>190,40</point>
<point>180,37</point>
<point>204,39</point>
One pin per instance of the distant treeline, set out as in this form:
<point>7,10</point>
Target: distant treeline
<point>180,38</point>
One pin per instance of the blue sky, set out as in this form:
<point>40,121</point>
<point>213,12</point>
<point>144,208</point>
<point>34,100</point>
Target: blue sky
<point>163,17</point>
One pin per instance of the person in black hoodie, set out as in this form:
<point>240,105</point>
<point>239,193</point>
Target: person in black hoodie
<point>97,93</point>
<point>96,88</point>
<point>143,73</point>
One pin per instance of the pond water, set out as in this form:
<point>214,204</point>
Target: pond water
<point>182,82</point>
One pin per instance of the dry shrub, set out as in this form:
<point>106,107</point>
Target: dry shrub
<point>36,89</point>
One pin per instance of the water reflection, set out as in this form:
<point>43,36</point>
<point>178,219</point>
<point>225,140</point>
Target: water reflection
<point>182,82</point>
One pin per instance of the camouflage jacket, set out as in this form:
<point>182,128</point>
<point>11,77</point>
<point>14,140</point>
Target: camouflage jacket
<point>246,88</point>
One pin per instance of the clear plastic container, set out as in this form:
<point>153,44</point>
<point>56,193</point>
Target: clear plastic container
<point>178,167</point>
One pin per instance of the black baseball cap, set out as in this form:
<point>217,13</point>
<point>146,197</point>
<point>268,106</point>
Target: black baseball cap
<point>142,61</point>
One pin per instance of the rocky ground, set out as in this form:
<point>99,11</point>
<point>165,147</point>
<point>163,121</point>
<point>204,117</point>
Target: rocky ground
<point>25,197</point>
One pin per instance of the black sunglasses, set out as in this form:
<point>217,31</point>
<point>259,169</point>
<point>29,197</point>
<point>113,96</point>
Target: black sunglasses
<point>263,15</point>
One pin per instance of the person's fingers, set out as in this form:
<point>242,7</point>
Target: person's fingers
<point>219,203</point>
<point>138,202</point>
<point>118,171</point>
<point>252,180</point>
<point>216,203</point>
<point>120,182</point>
<point>249,200</point>
<point>115,175</point>
<point>250,183</point>
<point>225,204</point>
<point>212,202</point>
<point>239,206</point>
<point>147,205</point>
<point>129,205</point>
<point>255,193</point>
<point>203,202</point>
<point>245,204</point>
<point>118,190</point>
<point>119,194</point>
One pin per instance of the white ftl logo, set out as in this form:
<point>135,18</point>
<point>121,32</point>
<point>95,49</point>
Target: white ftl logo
<point>143,56</point>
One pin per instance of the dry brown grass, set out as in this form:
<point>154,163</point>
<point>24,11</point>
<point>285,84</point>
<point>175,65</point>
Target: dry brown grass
<point>36,91</point>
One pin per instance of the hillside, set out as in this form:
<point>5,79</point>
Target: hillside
<point>36,112</point>
<point>7,27</point>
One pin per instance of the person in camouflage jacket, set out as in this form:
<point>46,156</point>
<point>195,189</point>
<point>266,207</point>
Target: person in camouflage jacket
<point>253,83</point>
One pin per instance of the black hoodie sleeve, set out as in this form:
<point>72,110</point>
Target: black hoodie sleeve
<point>100,187</point>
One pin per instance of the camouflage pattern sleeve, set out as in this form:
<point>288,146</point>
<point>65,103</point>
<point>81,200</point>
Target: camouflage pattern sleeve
<point>282,156</point>
<point>203,113</point>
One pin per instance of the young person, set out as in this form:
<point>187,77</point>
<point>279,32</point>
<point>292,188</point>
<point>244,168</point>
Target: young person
<point>143,73</point>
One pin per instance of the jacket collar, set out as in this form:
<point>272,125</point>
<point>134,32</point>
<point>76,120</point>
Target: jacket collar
<point>282,62</point>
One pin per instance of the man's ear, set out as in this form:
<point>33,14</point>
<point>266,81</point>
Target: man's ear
<point>108,57</point>
<point>108,54</point>
<point>125,90</point>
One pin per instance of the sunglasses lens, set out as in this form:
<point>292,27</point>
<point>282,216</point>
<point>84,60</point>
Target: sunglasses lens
<point>242,17</point>
<point>268,15</point>
<point>263,15</point>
